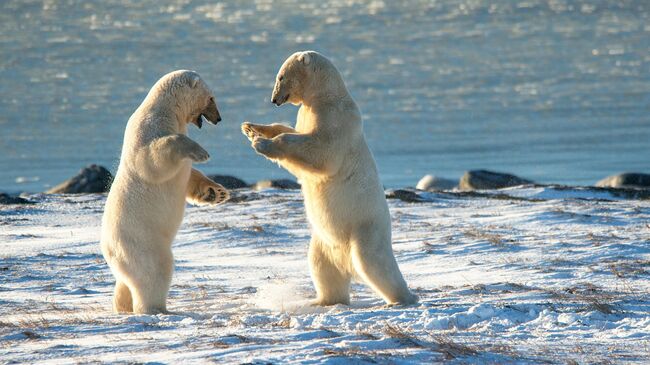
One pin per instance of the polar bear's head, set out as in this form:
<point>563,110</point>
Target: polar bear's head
<point>304,76</point>
<point>190,96</point>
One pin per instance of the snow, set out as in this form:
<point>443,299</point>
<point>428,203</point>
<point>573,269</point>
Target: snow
<point>519,275</point>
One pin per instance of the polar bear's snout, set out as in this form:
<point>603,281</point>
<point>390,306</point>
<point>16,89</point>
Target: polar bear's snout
<point>279,89</point>
<point>210,113</point>
<point>279,100</point>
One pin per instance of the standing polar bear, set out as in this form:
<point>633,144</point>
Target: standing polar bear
<point>344,200</point>
<point>145,204</point>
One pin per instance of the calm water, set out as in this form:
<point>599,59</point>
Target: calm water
<point>554,91</point>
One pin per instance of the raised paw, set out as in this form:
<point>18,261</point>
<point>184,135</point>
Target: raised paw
<point>198,154</point>
<point>265,147</point>
<point>212,195</point>
<point>249,131</point>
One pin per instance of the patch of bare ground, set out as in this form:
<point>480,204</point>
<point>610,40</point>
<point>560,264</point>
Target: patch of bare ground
<point>439,343</point>
<point>493,238</point>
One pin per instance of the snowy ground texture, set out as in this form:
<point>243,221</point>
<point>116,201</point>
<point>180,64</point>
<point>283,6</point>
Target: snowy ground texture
<point>524,275</point>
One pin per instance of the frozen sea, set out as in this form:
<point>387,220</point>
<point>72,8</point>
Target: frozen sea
<point>554,91</point>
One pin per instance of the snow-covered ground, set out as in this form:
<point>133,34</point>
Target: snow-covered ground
<point>542,276</point>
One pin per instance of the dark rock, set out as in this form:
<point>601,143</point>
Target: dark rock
<point>484,179</point>
<point>626,180</point>
<point>276,184</point>
<point>8,199</point>
<point>433,183</point>
<point>228,182</point>
<point>91,179</point>
<point>404,195</point>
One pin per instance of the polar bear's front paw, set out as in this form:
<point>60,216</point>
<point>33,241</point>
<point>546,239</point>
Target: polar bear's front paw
<point>198,154</point>
<point>265,147</point>
<point>249,131</point>
<point>215,195</point>
<point>210,195</point>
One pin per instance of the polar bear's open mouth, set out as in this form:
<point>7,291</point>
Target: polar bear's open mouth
<point>202,118</point>
<point>199,121</point>
<point>210,114</point>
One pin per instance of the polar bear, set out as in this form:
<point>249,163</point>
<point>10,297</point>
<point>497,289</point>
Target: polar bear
<point>145,205</point>
<point>344,200</point>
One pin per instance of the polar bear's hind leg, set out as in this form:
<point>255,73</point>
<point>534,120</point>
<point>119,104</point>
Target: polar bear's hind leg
<point>331,282</point>
<point>377,267</point>
<point>122,300</point>
<point>149,283</point>
<point>151,298</point>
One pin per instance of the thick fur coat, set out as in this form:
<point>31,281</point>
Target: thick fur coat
<point>145,205</point>
<point>344,199</point>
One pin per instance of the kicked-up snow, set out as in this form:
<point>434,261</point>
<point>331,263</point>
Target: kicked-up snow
<point>523,275</point>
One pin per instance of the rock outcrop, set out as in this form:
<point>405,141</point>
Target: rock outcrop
<point>91,179</point>
<point>484,180</point>
<point>229,182</point>
<point>7,199</point>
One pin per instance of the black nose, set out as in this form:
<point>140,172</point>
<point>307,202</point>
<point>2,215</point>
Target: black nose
<point>218,119</point>
<point>273,100</point>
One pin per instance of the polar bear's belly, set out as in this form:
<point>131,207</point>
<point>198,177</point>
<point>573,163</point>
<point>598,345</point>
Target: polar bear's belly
<point>167,200</point>
<point>335,210</point>
<point>147,213</point>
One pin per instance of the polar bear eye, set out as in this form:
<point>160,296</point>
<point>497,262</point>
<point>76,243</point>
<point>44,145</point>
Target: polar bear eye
<point>280,78</point>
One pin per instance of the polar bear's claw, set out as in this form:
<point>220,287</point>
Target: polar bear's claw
<point>222,195</point>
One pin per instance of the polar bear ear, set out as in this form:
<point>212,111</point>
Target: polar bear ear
<point>304,58</point>
<point>194,81</point>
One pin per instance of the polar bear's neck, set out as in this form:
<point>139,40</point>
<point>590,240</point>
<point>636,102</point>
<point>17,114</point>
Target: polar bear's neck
<point>325,84</point>
<point>169,110</point>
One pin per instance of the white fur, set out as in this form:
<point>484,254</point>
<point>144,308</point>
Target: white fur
<point>304,58</point>
<point>344,199</point>
<point>146,202</point>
